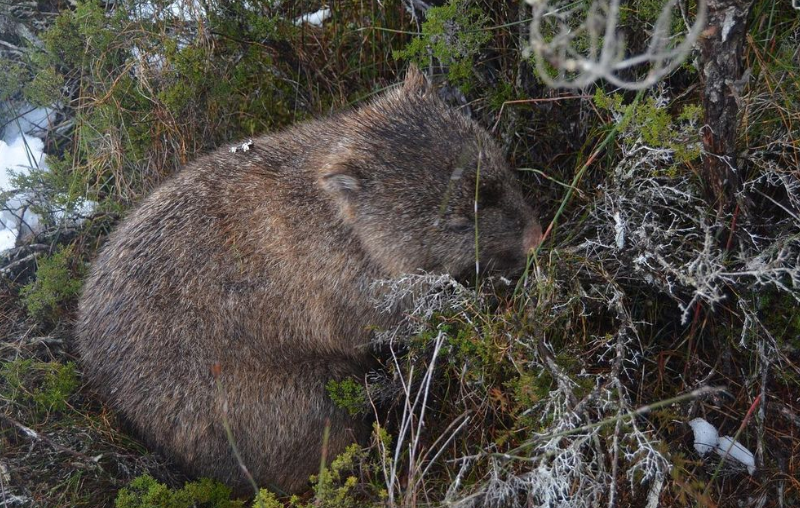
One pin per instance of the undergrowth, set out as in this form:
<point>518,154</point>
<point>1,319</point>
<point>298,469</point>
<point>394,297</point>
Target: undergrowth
<point>644,309</point>
<point>56,285</point>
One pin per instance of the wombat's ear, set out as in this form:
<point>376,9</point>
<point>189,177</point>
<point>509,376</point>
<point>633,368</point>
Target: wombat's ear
<point>342,184</point>
<point>416,83</point>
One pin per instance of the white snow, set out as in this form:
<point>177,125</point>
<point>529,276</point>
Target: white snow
<point>21,150</point>
<point>18,154</point>
<point>35,121</point>
<point>187,10</point>
<point>150,62</point>
<point>706,438</point>
<point>7,238</point>
<point>314,18</point>
<point>731,449</point>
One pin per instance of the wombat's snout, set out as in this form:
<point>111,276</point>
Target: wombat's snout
<point>531,236</point>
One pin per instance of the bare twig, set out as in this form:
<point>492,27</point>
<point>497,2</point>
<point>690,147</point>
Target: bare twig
<point>576,45</point>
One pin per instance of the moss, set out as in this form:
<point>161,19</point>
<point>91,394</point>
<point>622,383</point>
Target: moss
<point>530,387</point>
<point>778,313</point>
<point>478,350</point>
<point>501,94</point>
<point>58,282</point>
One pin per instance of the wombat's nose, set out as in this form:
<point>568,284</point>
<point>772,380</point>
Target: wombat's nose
<point>531,237</point>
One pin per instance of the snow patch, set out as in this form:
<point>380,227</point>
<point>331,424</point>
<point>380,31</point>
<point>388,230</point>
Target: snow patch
<point>186,10</point>
<point>35,121</point>
<point>314,18</point>
<point>730,449</point>
<point>706,438</point>
<point>18,156</point>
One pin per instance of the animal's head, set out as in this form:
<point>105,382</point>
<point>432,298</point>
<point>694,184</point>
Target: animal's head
<point>421,184</point>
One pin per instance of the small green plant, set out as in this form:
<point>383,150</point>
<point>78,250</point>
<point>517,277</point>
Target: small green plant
<point>44,386</point>
<point>349,395</point>
<point>146,492</point>
<point>58,281</point>
<point>13,77</point>
<point>333,487</point>
<point>658,128</point>
<point>266,499</point>
<point>453,34</point>
<point>45,88</point>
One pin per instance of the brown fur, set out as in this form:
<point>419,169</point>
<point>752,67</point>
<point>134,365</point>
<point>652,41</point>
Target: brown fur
<point>262,262</point>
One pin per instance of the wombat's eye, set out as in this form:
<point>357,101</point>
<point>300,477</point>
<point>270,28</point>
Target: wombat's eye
<point>490,193</point>
<point>460,224</point>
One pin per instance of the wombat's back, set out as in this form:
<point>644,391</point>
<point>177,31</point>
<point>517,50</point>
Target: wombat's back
<point>214,269</point>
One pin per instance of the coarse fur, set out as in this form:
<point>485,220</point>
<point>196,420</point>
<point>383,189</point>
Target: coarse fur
<point>260,264</point>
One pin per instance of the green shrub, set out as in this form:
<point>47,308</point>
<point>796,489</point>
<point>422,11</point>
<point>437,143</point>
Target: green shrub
<point>658,128</point>
<point>13,78</point>
<point>266,499</point>
<point>348,394</point>
<point>146,492</point>
<point>58,281</point>
<point>453,34</point>
<point>44,386</point>
<point>333,487</point>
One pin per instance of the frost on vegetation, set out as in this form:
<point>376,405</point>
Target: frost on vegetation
<point>420,296</point>
<point>571,459</point>
<point>655,226</point>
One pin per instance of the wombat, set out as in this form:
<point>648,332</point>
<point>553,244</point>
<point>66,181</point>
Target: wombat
<point>241,286</point>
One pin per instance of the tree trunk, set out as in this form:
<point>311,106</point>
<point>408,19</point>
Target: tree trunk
<point>721,57</point>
